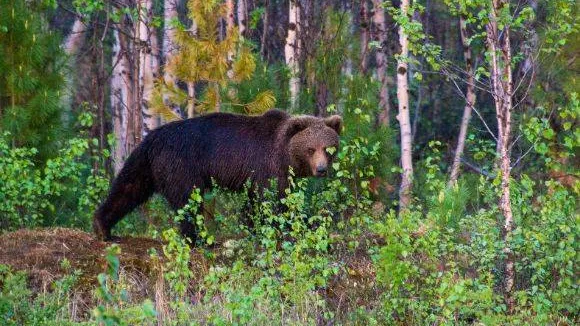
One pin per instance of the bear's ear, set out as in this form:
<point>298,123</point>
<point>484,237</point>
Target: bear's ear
<point>334,122</point>
<point>297,124</point>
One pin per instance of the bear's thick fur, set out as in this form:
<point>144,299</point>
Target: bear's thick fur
<point>229,148</point>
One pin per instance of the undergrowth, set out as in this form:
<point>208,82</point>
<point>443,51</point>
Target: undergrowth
<point>335,254</point>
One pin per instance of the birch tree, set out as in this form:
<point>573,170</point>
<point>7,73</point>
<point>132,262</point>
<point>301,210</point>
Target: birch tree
<point>403,116</point>
<point>499,48</point>
<point>292,51</point>
<point>380,23</point>
<point>191,84</point>
<point>230,23</point>
<point>242,17</point>
<point>230,17</point>
<point>170,18</point>
<point>469,100</point>
<point>148,64</point>
<point>120,97</point>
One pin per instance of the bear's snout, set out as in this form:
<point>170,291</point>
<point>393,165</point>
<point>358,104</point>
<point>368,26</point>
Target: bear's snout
<point>321,170</point>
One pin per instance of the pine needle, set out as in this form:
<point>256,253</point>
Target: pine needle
<point>263,102</point>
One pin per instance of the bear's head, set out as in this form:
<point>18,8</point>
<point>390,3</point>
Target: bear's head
<point>312,144</point>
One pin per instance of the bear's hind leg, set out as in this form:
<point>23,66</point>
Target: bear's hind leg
<point>178,197</point>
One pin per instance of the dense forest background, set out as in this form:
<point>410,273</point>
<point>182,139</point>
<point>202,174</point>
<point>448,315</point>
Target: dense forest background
<point>453,199</point>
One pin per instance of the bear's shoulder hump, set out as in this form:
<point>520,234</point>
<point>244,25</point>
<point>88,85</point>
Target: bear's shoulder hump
<point>276,114</point>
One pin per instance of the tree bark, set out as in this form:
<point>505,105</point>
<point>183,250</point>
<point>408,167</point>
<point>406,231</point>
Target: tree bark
<point>470,102</point>
<point>169,46</point>
<point>191,85</point>
<point>242,17</point>
<point>498,42</point>
<point>292,52</point>
<point>191,100</point>
<point>135,117</point>
<point>404,116</point>
<point>119,99</point>
<point>265,30</point>
<point>230,23</point>
<point>381,57</point>
<point>75,39</point>
<point>364,36</point>
<point>148,64</point>
<point>230,17</point>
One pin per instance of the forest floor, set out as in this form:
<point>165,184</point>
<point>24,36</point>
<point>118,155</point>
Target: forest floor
<point>41,252</point>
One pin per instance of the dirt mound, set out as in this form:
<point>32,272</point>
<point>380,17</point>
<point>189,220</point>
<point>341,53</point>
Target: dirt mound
<point>40,253</point>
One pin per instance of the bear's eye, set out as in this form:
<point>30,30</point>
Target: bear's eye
<point>311,151</point>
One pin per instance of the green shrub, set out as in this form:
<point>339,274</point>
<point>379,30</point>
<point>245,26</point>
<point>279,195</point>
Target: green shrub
<point>62,192</point>
<point>20,306</point>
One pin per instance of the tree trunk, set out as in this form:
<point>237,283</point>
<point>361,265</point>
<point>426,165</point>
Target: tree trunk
<point>191,100</point>
<point>75,39</point>
<point>364,36</point>
<point>119,100</point>
<point>170,47</point>
<point>191,85</point>
<point>498,42</point>
<point>292,52</point>
<point>148,64</point>
<point>72,45</point>
<point>242,17</point>
<point>403,116</point>
<point>381,56</point>
<point>230,17</point>
<point>322,94</point>
<point>470,102</point>
<point>135,117</point>
<point>265,30</point>
<point>230,23</point>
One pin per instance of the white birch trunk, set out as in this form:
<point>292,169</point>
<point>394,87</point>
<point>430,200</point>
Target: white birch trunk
<point>498,42</point>
<point>404,116</point>
<point>470,102</point>
<point>381,57</point>
<point>191,100</point>
<point>72,45</point>
<point>148,65</point>
<point>170,47</point>
<point>230,17</point>
<point>191,85</point>
<point>230,23</point>
<point>242,17</point>
<point>119,100</point>
<point>292,52</point>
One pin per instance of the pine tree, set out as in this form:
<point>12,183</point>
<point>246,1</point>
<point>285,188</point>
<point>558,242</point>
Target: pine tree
<point>203,59</point>
<point>32,63</point>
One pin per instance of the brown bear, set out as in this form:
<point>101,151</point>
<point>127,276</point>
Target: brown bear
<point>227,148</point>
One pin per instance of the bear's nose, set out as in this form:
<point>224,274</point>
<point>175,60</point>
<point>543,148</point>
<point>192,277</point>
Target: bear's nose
<point>321,170</point>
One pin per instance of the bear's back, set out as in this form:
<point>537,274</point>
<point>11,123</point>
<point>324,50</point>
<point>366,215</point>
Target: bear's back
<point>224,146</point>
